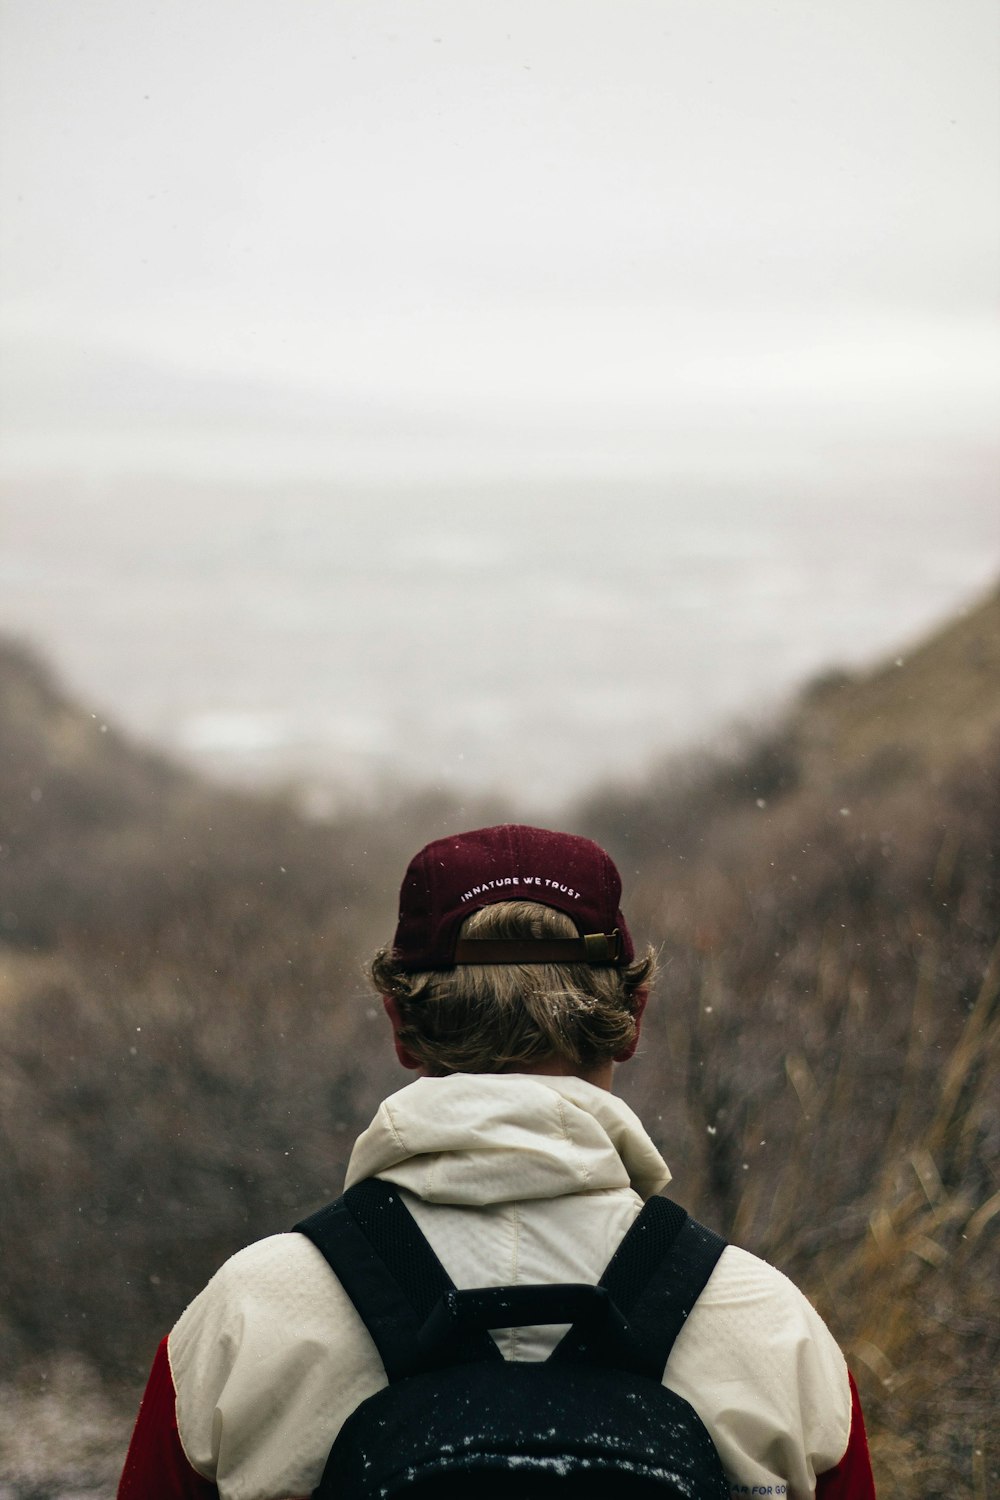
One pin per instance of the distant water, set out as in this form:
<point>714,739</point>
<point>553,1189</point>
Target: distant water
<point>533,639</point>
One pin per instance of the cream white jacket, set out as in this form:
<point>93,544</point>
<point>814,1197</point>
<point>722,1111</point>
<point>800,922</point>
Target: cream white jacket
<point>512,1178</point>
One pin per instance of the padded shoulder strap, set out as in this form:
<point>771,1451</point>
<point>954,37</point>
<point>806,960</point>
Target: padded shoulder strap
<point>372,1243</point>
<point>374,1246</point>
<point>654,1278</point>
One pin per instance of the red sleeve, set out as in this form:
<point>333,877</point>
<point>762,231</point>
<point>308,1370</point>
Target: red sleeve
<point>156,1467</point>
<point>852,1478</point>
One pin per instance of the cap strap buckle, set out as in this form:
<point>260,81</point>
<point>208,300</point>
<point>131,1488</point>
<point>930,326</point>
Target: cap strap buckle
<point>602,947</point>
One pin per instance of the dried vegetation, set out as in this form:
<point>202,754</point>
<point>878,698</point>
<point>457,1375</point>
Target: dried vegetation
<point>189,1045</point>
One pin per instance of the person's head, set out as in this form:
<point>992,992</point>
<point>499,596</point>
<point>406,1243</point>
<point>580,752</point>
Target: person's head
<point>512,955</point>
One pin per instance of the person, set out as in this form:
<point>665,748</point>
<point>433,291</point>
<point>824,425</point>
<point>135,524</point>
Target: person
<point>513,990</point>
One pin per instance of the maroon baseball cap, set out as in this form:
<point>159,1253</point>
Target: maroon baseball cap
<point>455,876</point>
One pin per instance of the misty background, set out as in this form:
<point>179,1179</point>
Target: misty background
<point>490,395</point>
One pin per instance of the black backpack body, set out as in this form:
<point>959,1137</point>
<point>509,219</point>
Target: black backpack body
<point>457,1419</point>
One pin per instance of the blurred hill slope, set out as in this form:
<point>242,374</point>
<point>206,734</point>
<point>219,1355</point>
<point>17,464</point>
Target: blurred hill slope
<point>911,719</point>
<point>104,839</point>
<point>822,1054</point>
<point>917,714</point>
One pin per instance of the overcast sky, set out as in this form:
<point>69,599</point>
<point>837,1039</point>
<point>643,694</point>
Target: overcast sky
<point>448,237</point>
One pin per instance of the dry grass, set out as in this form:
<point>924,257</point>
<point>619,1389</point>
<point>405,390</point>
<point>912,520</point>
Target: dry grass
<point>914,1293</point>
<point>821,1072</point>
<point>189,1049</point>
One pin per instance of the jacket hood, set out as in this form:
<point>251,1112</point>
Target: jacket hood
<point>477,1139</point>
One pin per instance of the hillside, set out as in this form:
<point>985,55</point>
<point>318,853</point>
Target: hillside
<point>827,897</point>
<point>191,1046</point>
<point>916,715</point>
<point>102,839</point>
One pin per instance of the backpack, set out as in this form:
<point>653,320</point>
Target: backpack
<point>457,1419</point>
<point>461,1421</point>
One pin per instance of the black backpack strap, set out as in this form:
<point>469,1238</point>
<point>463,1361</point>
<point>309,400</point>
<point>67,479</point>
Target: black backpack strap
<point>654,1279</point>
<point>373,1245</point>
<point>661,1310</point>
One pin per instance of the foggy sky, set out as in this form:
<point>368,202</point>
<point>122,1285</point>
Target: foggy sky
<point>445,237</point>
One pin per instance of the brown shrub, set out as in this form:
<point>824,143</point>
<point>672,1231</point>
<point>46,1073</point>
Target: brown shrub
<point>190,1045</point>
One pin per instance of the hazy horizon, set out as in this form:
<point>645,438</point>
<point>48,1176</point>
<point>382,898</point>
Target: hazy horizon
<point>412,388</point>
<point>532,641</point>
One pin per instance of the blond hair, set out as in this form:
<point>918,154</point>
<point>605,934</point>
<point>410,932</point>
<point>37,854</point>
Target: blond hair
<point>499,1018</point>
